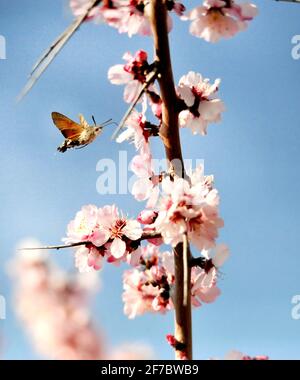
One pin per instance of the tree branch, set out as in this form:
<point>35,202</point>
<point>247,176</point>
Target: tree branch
<point>145,236</point>
<point>169,133</point>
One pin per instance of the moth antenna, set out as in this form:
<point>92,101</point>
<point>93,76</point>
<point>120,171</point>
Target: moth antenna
<point>109,122</point>
<point>94,120</point>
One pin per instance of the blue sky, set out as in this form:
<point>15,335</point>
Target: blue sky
<point>253,154</point>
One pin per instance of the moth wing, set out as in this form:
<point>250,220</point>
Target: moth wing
<point>68,127</point>
<point>83,122</point>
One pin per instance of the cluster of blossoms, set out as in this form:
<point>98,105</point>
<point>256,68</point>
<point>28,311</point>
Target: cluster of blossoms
<point>199,107</point>
<point>213,20</point>
<point>54,309</point>
<point>202,105</point>
<point>197,98</point>
<point>128,16</point>
<point>189,207</point>
<point>185,207</point>
<point>149,287</point>
<point>217,19</point>
<point>108,234</point>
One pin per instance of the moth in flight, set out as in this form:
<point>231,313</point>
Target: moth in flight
<point>77,135</point>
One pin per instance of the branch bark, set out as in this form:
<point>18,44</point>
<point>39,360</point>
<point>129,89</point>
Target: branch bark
<point>169,133</point>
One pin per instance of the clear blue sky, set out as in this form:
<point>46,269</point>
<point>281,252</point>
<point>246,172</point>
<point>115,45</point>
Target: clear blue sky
<point>254,155</point>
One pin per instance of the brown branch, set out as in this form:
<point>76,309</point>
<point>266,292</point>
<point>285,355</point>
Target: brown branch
<point>169,133</point>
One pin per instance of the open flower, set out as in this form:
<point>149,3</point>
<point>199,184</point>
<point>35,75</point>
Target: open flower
<point>86,227</point>
<point>189,208</point>
<point>107,234</point>
<point>132,74</point>
<point>202,105</point>
<point>121,230</point>
<point>217,19</point>
<point>146,288</point>
<point>136,130</point>
<point>203,284</point>
<point>146,186</point>
<point>149,287</point>
<point>134,18</point>
<point>88,258</point>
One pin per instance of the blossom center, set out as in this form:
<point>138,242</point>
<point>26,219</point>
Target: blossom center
<point>116,230</point>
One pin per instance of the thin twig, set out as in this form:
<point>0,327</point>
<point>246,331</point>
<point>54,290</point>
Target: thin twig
<point>50,247</point>
<point>150,79</point>
<point>145,236</point>
<point>49,55</point>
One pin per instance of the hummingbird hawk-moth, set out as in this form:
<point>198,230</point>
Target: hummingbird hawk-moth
<point>77,135</point>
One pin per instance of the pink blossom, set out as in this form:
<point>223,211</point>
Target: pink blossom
<point>132,74</point>
<point>79,7</point>
<point>107,233</point>
<point>217,19</point>
<point>147,216</point>
<point>128,16</point>
<point>53,307</point>
<point>88,258</point>
<point>218,256</point>
<point>146,185</point>
<point>86,227</point>
<point>136,132</point>
<point>146,288</point>
<point>120,229</point>
<point>189,208</point>
<point>149,287</point>
<point>134,18</point>
<point>202,105</point>
<point>203,285</point>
